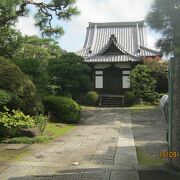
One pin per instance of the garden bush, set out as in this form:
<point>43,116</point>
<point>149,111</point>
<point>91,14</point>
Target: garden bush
<point>143,84</point>
<point>159,70</point>
<point>91,98</point>
<point>13,121</point>
<point>24,95</point>
<point>151,97</point>
<point>129,98</point>
<point>41,122</point>
<point>62,108</point>
<point>5,98</point>
<point>16,123</point>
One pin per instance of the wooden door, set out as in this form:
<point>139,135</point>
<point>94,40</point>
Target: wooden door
<point>112,81</point>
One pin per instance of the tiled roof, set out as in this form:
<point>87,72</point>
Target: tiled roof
<point>130,37</point>
<point>144,51</point>
<point>111,58</point>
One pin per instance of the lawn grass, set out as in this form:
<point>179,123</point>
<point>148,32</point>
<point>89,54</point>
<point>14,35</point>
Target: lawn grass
<point>55,130</point>
<point>52,131</point>
<point>133,107</point>
<point>141,107</point>
<point>13,154</point>
<point>146,159</point>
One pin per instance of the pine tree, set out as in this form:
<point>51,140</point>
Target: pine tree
<point>11,10</point>
<point>164,18</point>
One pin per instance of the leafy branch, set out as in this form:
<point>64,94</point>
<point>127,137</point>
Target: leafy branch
<point>10,10</point>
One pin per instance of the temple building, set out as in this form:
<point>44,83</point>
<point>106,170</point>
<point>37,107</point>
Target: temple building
<point>112,50</point>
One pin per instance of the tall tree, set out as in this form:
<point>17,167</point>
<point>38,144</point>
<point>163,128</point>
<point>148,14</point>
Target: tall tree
<point>10,41</point>
<point>69,74</point>
<point>164,18</point>
<point>46,13</point>
<point>34,47</point>
<point>33,58</point>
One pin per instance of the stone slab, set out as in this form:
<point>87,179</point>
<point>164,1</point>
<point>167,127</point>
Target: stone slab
<point>2,168</point>
<point>124,175</point>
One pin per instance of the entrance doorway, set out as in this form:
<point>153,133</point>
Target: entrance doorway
<point>112,81</point>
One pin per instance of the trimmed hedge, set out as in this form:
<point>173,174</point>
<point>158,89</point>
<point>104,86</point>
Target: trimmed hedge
<point>63,108</point>
<point>129,98</point>
<point>91,98</point>
<point>24,95</point>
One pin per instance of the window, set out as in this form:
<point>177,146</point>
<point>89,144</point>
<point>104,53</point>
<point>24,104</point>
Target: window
<point>99,72</point>
<point>126,72</point>
<point>126,82</point>
<point>99,82</point>
<point>99,79</point>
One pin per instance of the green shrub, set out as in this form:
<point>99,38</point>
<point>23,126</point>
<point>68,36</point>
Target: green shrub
<point>151,97</point>
<point>143,83</point>
<point>36,71</point>
<point>24,95</point>
<point>159,72</point>
<point>41,122</point>
<point>91,98</point>
<point>12,121</point>
<point>5,98</point>
<point>129,98</point>
<point>63,108</point>
<point>42,139</point>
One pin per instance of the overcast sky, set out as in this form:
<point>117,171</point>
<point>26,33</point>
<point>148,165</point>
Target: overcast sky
<point>95,11</point>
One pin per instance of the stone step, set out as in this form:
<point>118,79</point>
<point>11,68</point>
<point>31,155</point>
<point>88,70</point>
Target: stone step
<point>111,100</point>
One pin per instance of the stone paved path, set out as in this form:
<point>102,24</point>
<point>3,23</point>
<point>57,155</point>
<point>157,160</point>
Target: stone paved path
<point>100,148</point>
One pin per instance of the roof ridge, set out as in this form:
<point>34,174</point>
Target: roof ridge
<point>125,23</point>
<point>152,50</point>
